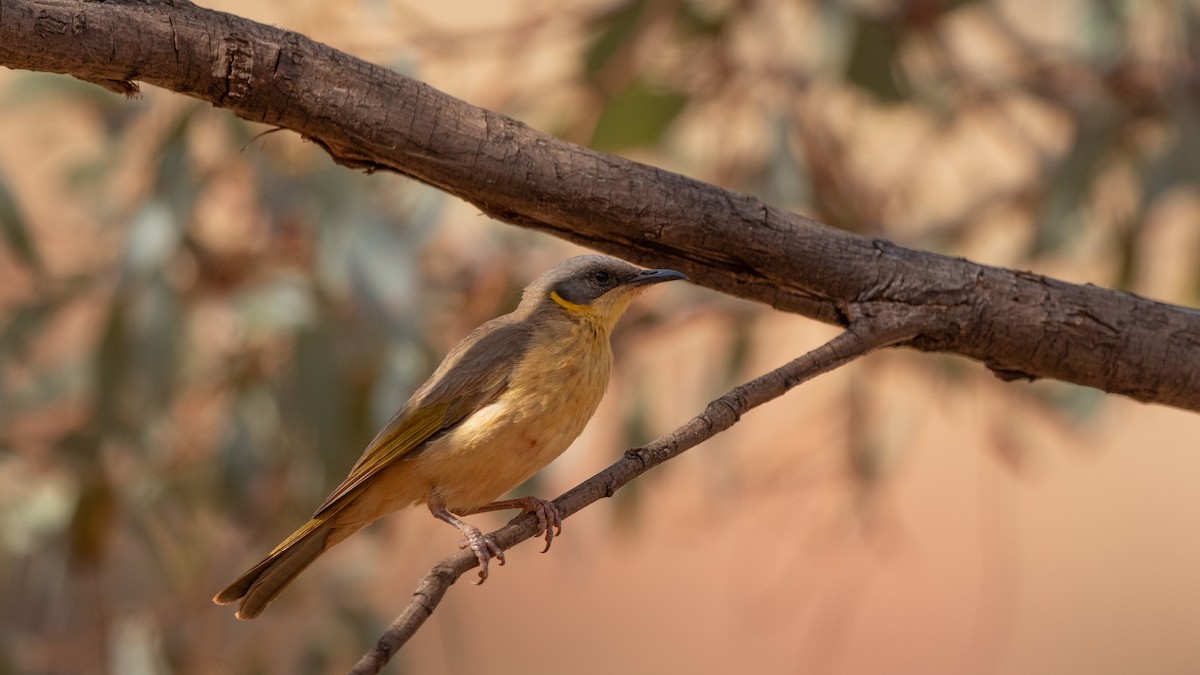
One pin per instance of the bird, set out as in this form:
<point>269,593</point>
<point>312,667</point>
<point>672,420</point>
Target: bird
<point>503,404</point>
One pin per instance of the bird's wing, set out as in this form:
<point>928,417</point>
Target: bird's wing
<point>471,376</point>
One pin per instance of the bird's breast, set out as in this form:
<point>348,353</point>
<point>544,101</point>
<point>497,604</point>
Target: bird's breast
<point>554,390</point>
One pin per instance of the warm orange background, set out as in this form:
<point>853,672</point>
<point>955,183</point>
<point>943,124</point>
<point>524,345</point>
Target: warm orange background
<point>907,514</point>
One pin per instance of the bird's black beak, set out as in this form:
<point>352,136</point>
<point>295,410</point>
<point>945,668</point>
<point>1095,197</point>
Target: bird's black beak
<point>647,277</point>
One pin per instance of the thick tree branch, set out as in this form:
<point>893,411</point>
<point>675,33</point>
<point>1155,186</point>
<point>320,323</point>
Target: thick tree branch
<point>718,416</point>
<point>1021,325</point>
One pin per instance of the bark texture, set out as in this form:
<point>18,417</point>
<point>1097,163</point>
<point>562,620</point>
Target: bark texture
<point>1021,325</point>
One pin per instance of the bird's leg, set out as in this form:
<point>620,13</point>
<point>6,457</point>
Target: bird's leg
<point>480,544</point>
<point>547,514</point>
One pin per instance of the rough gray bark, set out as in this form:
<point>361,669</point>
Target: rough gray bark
<point>1021,325</point>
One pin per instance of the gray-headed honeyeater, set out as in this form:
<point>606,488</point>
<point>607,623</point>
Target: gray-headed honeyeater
<point>502,405</point>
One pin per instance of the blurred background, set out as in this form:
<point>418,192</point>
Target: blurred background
<point>201,326</point>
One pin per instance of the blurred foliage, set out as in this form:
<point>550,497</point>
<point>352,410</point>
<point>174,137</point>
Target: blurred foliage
<point>253,324</point>
<point>637,116</point>
<point>1101,98</point>
<point>16,229</point>
<point>252,313</point>
<point>1123,79</point>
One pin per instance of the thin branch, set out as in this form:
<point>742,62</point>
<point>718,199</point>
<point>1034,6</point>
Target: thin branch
<point>718,416</point>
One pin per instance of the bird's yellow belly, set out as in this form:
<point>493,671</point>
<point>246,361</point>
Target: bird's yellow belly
<point>543,411</point>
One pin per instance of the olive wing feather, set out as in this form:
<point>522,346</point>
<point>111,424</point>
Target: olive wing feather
<point>471,376</point>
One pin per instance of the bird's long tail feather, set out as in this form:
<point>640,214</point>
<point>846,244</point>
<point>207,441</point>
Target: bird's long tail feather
<point>261,583</point>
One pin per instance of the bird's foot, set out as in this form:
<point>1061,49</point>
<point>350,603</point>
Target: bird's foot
<point>484,548</point>
<point>547,514</point>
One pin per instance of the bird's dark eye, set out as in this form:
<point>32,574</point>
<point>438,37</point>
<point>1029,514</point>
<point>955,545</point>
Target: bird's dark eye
<point>601,277</point>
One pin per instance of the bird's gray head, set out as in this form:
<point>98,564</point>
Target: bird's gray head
<point>592,287</point>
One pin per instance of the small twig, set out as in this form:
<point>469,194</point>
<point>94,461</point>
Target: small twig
<point>722,413</point>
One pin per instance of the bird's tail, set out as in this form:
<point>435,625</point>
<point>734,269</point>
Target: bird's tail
<point>261,583</point>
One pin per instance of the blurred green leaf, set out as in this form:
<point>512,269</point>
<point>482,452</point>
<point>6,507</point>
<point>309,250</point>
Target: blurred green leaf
<point>948,6</point>
<point>239,463</point>
<point>111,365</point>
<point>1161,173</point>
<point>382,271</point>
<point>253,424</point>
<point>24,324</point>
<point>616,27</point>
<point>1078,404</point>
<point>176,182</point>
<point>1102,28</point>
<point>636,425</point>
<point>873,58</point>
<point>637,116</point>
<point>782,178</point>
<point>154,236</point>
<point>284,303</point>
<point>1069,181</point>
<point>696,18</point>
<point>402,370</point>
<point>36,88</point>
<point>322,395</point>
<point>1184,110</point>
<point>627,501</point>
<point>15,229</point>
<point>159,325</point>
<point>739,352</point>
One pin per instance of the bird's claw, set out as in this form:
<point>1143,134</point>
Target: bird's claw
<point>548,518</point>
<point>484,548</point>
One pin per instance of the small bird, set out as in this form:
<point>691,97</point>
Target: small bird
<point>502,405</point>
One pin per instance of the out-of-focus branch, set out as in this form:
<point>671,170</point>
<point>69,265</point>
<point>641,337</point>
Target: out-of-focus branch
<point>721,414</point>
<point>1020,325</point>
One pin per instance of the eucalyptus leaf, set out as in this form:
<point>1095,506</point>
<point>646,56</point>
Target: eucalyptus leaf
<point>158,322</point>
<point>1069,182</point>
<point>284,303</point>
<point>322,393</point>
<point>176,182</point>
<point>873,59</point>
<point>382,271</point>
<point>111,365</point>
<point>15,229</point>
<point>615,28</point>
<point>700,19</point>
<point>154,236</point>
<point>24,323</point>
<point>637,116</point>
